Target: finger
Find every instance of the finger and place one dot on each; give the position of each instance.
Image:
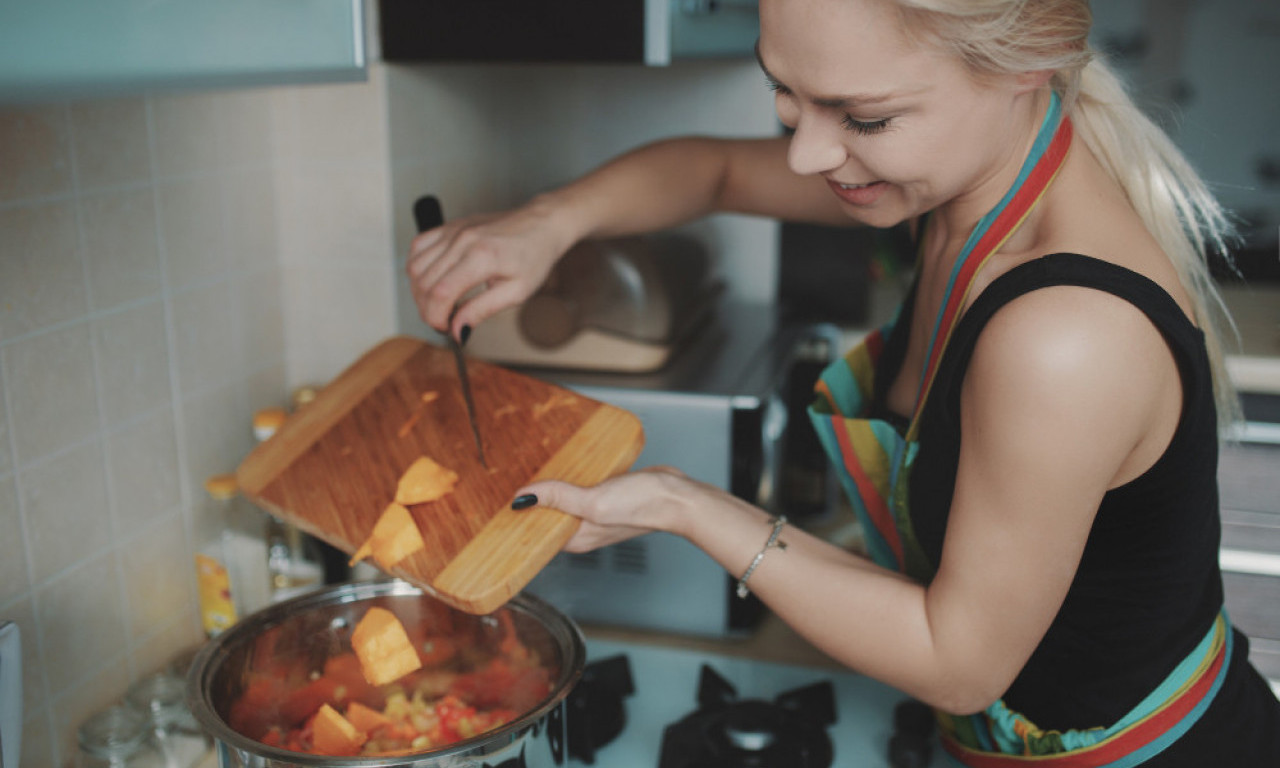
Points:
(485, 304)
(553, 494)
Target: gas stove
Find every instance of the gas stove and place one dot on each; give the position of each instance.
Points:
(649, 706)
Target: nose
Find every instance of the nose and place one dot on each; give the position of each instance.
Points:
(816, 146)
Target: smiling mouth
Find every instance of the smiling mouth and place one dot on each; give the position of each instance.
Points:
(856, 186)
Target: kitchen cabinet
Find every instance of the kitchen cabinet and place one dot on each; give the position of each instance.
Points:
(650, 32)
(64, 49)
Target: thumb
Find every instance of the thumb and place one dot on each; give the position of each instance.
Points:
(553, 494)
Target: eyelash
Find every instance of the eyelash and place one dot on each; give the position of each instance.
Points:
(862, 128)
(865, 128)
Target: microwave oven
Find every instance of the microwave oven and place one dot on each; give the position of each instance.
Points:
(728, 410)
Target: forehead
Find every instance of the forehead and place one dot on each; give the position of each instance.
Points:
(838, 46)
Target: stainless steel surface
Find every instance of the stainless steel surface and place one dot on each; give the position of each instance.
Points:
(318, 625)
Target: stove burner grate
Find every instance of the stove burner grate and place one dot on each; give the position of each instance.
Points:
(728, 732)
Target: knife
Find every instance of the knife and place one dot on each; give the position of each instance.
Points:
(427, 215)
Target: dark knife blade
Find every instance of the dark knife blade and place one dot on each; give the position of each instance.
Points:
(428, 215)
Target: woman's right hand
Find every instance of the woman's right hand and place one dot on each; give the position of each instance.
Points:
(483, 264)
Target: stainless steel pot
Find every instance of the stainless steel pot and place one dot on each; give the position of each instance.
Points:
(296, 637)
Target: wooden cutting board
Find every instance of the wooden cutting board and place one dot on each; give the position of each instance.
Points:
(333, 467)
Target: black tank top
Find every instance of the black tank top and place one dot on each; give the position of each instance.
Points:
(1148, 584)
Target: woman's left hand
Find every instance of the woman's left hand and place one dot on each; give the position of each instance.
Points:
(623, 507)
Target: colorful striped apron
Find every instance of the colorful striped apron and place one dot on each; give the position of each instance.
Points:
(874, 459)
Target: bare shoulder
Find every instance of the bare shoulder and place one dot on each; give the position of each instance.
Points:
(1084, 365)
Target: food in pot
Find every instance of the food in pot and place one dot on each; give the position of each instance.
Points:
(424, 481)
(383, 647)
(395, 536)
(470, 678)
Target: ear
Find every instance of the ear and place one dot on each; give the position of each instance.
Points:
(1032, 81)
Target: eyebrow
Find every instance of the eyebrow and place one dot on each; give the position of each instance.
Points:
(832, 102)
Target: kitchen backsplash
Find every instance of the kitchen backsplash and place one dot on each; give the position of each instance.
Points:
(168, 265)
(171, 263)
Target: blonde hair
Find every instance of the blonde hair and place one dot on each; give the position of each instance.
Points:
(1016, 36)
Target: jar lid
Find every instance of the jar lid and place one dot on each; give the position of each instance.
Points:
(160, 697)
(267, 421)
(222, 486)
(114, 732)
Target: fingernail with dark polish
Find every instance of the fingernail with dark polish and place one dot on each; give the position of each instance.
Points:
(524, 502)
(464, 334)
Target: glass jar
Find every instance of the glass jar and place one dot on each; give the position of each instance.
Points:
(292, 568)
(117, 737)
(161, 698)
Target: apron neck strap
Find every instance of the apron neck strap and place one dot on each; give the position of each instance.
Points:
(1039, 169)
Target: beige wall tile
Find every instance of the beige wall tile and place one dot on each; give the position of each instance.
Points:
(268, 388)
(207, 345)
(342, 123)
(333, 314)
(82, 623)
(257, 297)
(122, 247)
(194, 244)
(186, 134)
(158, 575)
(245, 122)
(111, 142)
(6, 455)
(217, 434)
(41, 275)
(49, 380)
(65, 509)
(335, 215)
(251, 219)
(178, 636)
(142, 464)
(132, 357)
(35, 153)
(13, 556)
(35, 693)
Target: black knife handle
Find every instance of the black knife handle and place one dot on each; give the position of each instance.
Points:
(427, 213)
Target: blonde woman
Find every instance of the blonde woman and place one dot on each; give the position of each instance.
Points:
(1032, 444)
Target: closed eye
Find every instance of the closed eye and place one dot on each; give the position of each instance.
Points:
(865, 127)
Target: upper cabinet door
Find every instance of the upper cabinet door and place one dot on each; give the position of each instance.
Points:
(57, 49)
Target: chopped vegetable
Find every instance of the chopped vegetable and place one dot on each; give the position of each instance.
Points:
(366, 719)
(333, 734)
(424, 481)
(395, 536)
(383, 647)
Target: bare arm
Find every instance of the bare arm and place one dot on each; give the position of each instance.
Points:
(1065, 388)
(657, 186)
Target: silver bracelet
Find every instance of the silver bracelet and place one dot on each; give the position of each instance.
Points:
(772, 543)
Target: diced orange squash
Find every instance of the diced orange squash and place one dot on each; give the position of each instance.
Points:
(424, 481)
(333, 734)
(395, 536)
(366, 719)
(383, 647)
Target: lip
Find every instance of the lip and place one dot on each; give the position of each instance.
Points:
(860, 194)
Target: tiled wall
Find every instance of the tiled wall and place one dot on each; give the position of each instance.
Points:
(168, 265)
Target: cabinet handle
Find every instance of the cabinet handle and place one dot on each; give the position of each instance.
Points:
(1247, 562)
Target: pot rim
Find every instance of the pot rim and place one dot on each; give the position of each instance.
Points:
(568, 635)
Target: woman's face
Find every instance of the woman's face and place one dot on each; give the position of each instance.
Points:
(896, 128)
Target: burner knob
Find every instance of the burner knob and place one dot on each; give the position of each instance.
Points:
(908, 752)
